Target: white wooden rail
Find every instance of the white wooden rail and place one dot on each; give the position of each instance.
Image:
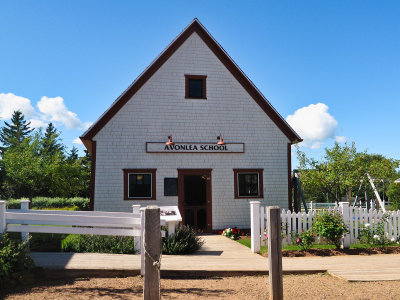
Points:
(292, 222)
(133, 224)
(27, 221)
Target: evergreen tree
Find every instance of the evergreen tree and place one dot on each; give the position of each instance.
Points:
(50, 142)
(73, 155)
(13, 134)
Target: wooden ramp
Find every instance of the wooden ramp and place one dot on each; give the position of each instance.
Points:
(223, 257)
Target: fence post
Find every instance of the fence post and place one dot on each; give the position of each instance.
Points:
(24, 208)
(136, 240)
(171, 227)
(142, 239)
(152, 249)
(255, 226)
(275, 253)
(346, 219)
(2, 216)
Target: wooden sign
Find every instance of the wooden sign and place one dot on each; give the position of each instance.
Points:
(183, 147)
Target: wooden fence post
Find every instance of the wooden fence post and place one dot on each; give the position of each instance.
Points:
(275, 253)
(24, 208)
(152, 250)
(2, 216)
(345, 209)
(255, 226)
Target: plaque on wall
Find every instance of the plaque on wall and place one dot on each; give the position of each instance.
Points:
(184, 147)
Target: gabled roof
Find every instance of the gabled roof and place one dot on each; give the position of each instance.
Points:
(216, 48)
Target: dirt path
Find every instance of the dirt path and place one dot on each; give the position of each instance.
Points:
(320, 286)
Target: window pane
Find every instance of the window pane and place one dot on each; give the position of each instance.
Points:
(248, 184)
(139, 186)
(195, 88)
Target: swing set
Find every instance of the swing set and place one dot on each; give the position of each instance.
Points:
(358, 201)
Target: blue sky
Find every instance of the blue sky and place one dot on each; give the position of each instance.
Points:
(69, 60)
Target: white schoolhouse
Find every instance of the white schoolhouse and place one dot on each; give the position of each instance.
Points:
(157, 144)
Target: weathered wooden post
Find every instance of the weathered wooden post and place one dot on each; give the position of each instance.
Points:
(24, 208)
(255, 226)
(152, 253)
(275, 253)
(2, 216)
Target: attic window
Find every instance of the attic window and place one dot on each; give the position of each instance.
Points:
(195, 87)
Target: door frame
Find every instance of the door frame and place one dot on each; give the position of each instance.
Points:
(181, 193)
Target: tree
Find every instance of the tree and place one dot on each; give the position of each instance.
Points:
(73, 155)
(50, 142)
(13, 134)
(24, 168)
(393, 192)
(340, 170)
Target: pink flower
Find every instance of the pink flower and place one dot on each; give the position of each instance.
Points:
(298, 240)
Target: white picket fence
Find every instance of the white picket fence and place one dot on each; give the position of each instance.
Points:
(27, 221)
(355, 218)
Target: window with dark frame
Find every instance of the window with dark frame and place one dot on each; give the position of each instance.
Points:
(139, 184)
(195, 87)
(248, 183)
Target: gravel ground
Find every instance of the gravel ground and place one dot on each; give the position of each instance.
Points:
(320, 286)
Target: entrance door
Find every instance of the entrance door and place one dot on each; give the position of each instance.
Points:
(194, 198)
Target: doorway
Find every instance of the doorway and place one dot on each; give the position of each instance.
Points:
(194, 198)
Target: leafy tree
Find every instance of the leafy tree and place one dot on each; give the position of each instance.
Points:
(340, 170)
(393, 192)
(24, 168)
(86, 163)
(13, 134)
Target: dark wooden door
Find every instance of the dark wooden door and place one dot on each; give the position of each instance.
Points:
(194, 198)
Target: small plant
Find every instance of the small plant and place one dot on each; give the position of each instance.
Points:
(98, 244)
(305, 239)
(377, 235)
(14, 260)
(330, 225)
(232, 233)
(184, 241)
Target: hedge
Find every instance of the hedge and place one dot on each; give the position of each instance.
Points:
(48, 203)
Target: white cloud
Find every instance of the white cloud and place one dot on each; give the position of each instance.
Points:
(77, 141)
(314, 124)
(340, 139)
(36, 123)
(10, 103)
(55, 110)
(86, 125)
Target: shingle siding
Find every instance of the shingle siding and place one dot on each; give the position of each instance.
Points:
(160, 108)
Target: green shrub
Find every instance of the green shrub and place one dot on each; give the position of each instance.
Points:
(52, 203)
(377, 235)
(14, 259)
(184, 241)
(98, 244)
(330, 225)
(305, 239)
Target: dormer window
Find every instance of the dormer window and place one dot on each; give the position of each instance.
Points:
(195, 87)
